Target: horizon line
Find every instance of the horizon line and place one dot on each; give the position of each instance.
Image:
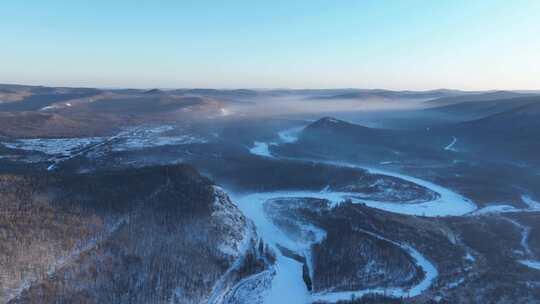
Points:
(267, 88)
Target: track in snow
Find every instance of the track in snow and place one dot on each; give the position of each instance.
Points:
(450, 146)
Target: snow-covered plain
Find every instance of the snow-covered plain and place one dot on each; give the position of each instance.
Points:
(158, 141)
(137, 138)
(144, 138)
(129, 139)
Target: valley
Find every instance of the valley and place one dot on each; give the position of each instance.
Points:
(195, 196)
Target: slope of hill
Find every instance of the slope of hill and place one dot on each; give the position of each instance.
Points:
(39, 101)
(365, 94)
(157, 234)
(338, 128)
(479, 96)
(37, 124)
(344, 140)
(469, 110)
(142, 105)
(522, 119)
(66, 112)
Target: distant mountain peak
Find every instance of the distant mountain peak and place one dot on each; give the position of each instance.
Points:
(329, 122)
(329, 119)
(154, 91)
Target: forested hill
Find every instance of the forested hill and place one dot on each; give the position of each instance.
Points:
(149, 235)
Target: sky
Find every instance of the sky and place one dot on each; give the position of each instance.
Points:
(394, 44)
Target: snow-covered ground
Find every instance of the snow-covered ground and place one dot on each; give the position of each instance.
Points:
(531, 264)
(470, 257)
(525, 232)
(438, 207)
(448, 203)
(450, 146)
(243, 236)
(260, 149)
(72, 256)
(252, 289)
(456, 283)
(529, 201)
(533, 206)
(529, 259)
(388, 162)
(129, 139)
(429, 269)
(286, 136)
(288, 285)
(158, 141)
(153, 137)
(495, 209)
(53, 146)
(137, 138)
(290, 135)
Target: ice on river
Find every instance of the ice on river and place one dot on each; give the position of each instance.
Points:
(261, 149)
(288, 285)
(531, 264)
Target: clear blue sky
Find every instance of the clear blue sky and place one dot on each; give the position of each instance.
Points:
(391, 44)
